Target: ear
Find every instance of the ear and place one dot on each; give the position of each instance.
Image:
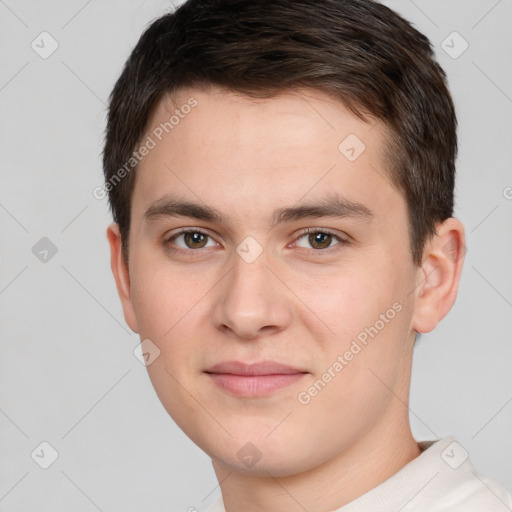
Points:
(439, 275)
(121, 275)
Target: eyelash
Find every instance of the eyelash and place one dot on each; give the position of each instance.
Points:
(342, 241)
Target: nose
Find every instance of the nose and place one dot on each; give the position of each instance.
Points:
(252, 301)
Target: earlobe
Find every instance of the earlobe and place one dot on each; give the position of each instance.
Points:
(439, 275)
(121, 275)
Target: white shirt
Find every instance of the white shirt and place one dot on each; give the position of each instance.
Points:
(440, 479)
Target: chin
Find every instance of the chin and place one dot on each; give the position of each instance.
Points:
(260, 457)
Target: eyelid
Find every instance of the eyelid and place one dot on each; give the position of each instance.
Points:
(167, 239)
(327, 231)
(342, 241)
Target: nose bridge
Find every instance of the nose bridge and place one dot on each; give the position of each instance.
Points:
(251, 298)
(250, 265)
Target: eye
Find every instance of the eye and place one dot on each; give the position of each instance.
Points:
(190, 239)
(319, 239)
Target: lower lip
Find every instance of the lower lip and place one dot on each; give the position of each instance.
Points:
(254, 385)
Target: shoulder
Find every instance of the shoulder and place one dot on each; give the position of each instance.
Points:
(476, 494)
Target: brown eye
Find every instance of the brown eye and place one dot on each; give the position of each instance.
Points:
(195, 239)
(320, 240)
(190, 239)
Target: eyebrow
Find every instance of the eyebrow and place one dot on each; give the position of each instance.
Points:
(333, 206)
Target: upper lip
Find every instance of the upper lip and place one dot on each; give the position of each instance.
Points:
(260, 368)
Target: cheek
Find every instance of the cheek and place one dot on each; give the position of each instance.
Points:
(167, 303)
(347, 302)
(170, 305)
(365, 315)
(163, 295)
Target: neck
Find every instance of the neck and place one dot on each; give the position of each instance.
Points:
(377, 456)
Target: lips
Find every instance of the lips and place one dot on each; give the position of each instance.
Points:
(255, 379)
(261, 368)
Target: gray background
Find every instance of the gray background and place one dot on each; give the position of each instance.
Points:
(68, 373)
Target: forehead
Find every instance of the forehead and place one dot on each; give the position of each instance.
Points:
(226, 148)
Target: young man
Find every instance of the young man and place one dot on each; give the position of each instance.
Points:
(281, 178)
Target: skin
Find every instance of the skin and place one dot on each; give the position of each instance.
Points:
(293, 304)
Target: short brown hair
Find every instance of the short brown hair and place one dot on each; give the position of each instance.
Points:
(357, 51)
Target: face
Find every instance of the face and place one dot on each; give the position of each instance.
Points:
(295, 255)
